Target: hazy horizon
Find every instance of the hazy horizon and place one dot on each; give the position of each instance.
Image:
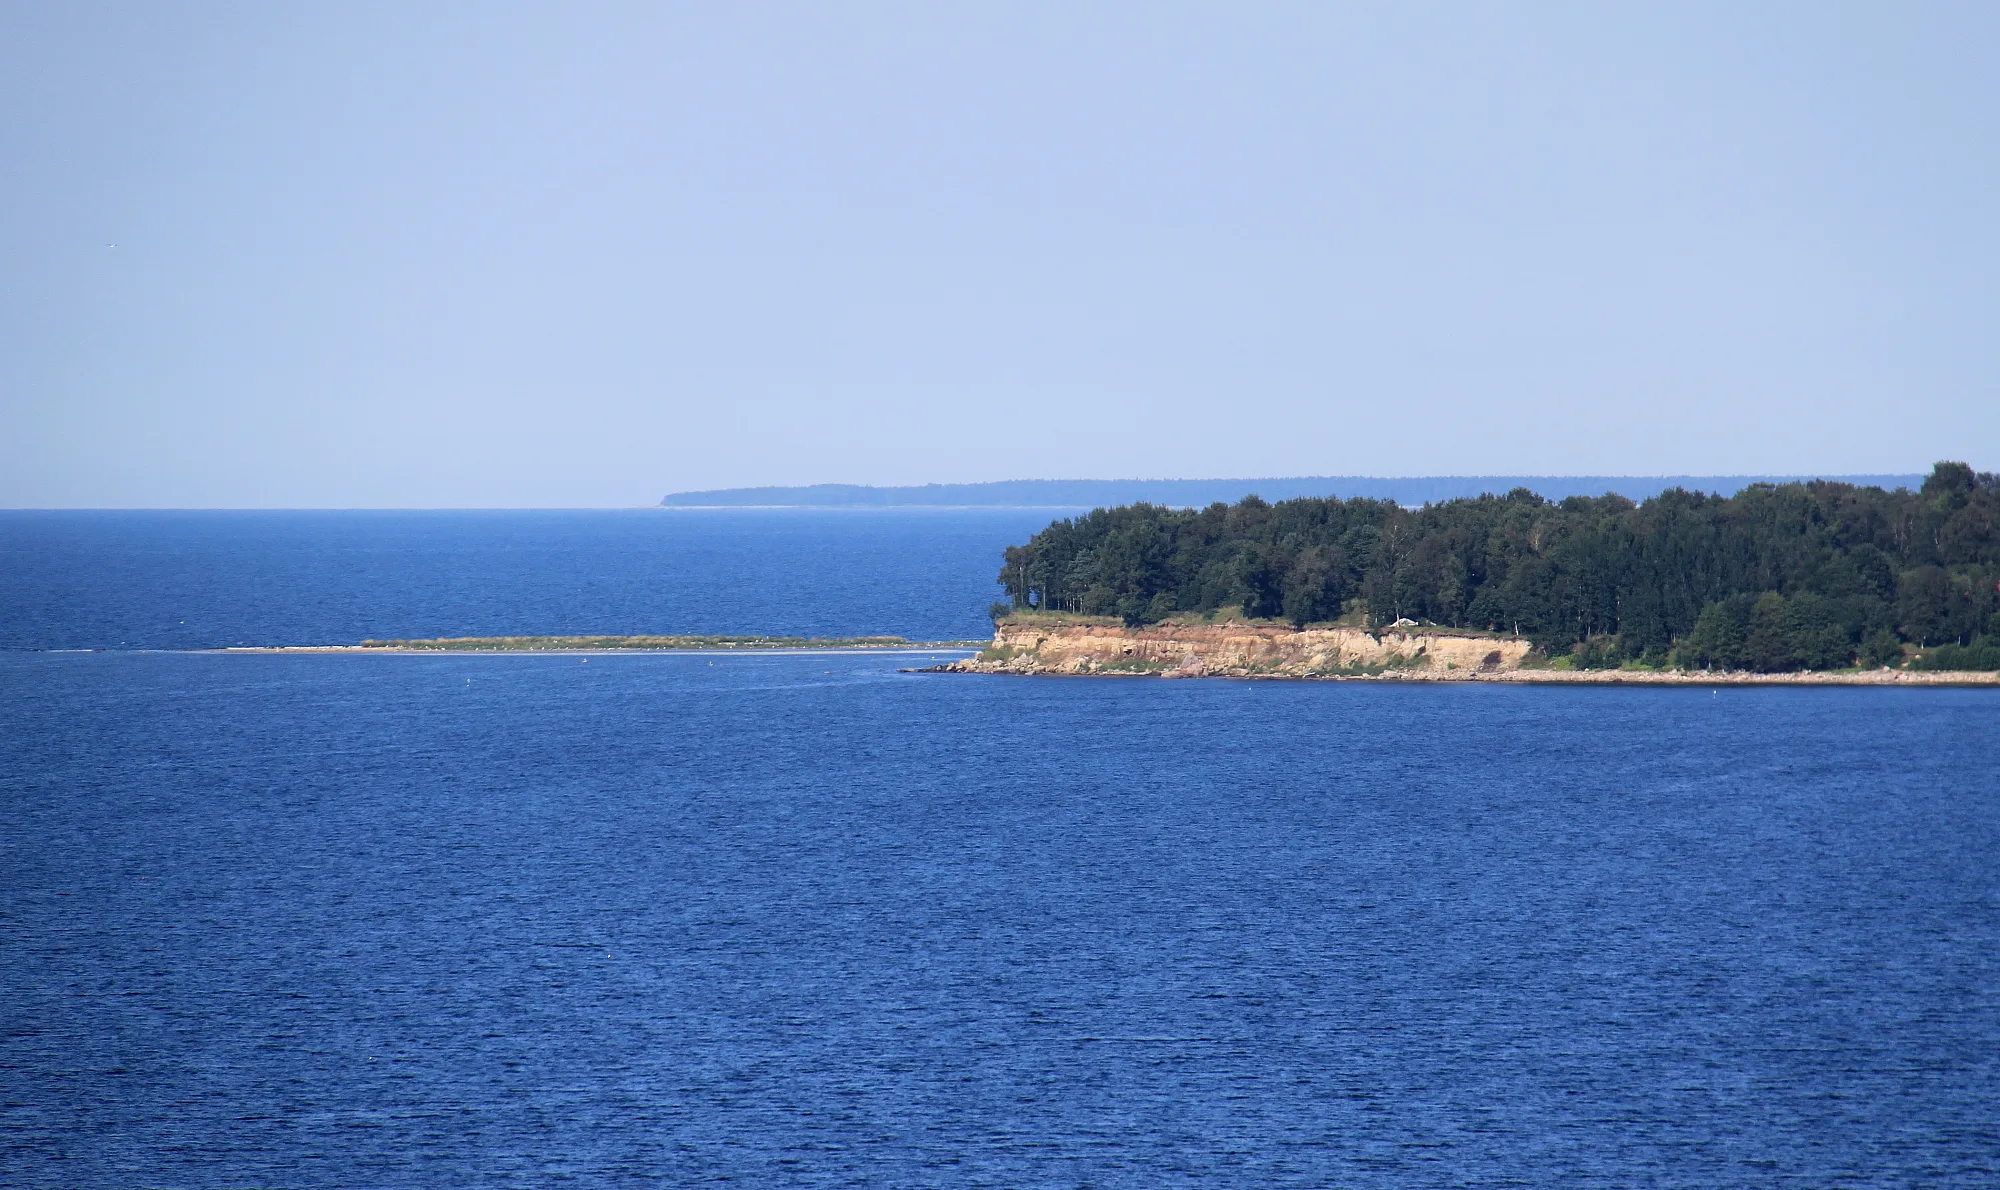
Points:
(1644, 487)
(491, 257)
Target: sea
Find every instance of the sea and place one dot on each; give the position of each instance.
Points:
(814, 920)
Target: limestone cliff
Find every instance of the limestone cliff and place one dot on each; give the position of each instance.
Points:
(1235, 649)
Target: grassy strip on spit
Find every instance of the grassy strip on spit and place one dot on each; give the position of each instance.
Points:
(533, 643)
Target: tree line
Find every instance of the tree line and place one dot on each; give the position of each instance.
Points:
(1778, 576)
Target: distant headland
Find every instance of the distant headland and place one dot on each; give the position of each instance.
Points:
(1199, 493)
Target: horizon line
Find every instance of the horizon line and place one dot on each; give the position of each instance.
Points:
(1410, 491)
(666, 502)
(970, 483)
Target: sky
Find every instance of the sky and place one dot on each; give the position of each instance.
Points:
(582, 255)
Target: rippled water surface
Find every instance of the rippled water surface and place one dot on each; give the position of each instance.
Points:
(178, 580)
(805, 920)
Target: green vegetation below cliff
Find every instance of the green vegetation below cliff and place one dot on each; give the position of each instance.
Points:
(1777, 577)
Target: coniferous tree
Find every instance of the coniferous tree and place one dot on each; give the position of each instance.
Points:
(1809, 575)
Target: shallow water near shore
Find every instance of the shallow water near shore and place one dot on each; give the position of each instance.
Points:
(438, 920)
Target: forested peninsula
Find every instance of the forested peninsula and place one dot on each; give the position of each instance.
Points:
(1776, 578)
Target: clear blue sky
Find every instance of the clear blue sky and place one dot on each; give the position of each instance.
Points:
(586, 254)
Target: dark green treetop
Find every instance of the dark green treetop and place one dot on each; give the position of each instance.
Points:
(1797, 575)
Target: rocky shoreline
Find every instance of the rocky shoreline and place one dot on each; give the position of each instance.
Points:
(1532, 677)
(1079, 648)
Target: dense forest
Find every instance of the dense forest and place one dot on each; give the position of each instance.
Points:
(1790, 576)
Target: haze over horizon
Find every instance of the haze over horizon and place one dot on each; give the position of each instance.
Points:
(511, 257)
(1409, 491)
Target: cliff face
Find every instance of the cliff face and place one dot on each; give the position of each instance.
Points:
(1234, 650)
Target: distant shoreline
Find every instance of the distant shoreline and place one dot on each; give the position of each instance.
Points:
(1082, 495)
(871, 507)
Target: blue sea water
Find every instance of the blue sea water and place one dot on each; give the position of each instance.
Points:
(810, 921)
(176, 580)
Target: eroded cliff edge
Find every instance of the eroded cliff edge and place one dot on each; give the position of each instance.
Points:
(1235, 649)
(1238, 649)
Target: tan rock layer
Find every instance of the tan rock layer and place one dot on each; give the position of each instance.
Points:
(1234, 649)
(1277, 651)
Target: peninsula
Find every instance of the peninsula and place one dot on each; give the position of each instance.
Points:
(1818, 581)
(601, 644)
(533, 644)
